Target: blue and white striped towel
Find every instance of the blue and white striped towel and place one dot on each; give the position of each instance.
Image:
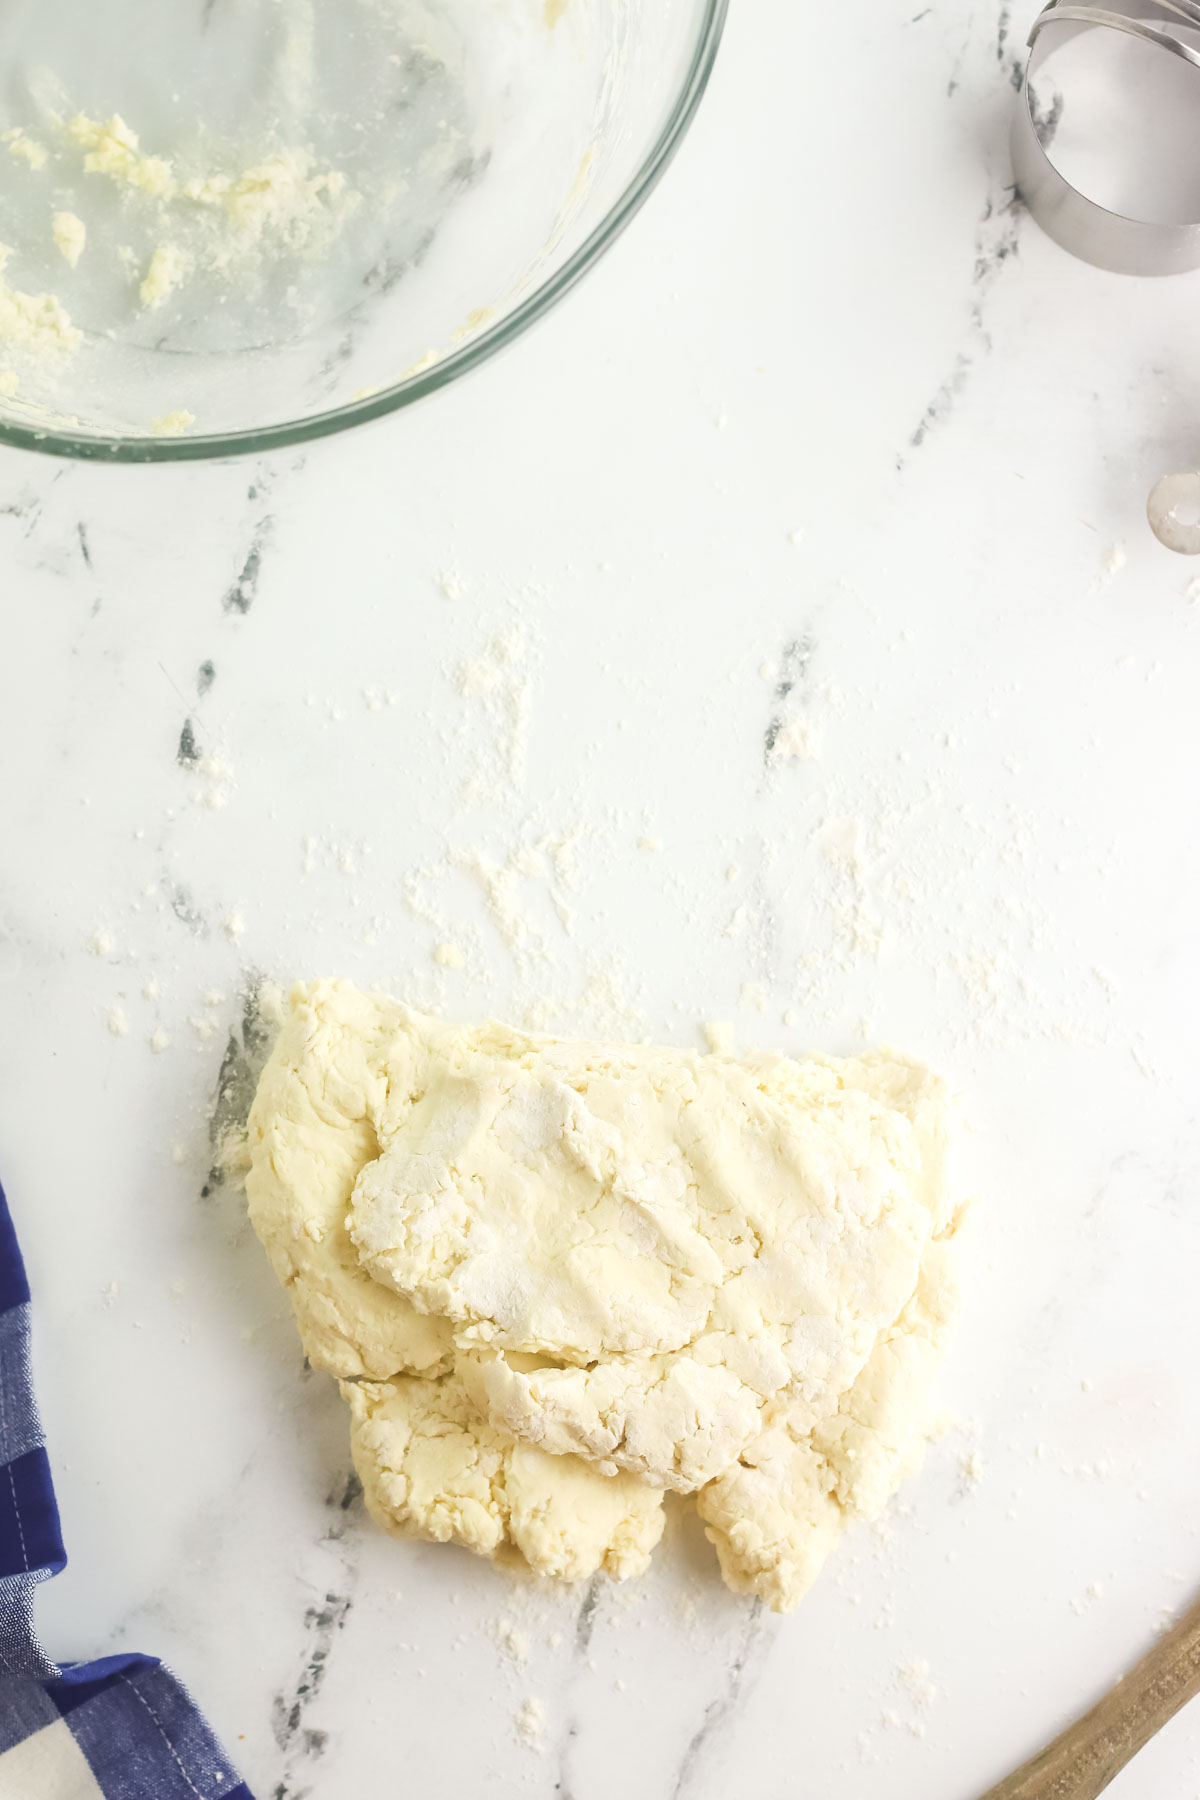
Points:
(121, 1728)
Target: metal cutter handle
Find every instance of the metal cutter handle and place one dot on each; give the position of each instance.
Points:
(1088, 230)
(1111, 240)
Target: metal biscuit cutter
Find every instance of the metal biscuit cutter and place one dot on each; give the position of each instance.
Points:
(1112, 240)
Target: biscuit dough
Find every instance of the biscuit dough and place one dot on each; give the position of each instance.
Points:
(432, 1467)
(602, 1272)
(312, 1132)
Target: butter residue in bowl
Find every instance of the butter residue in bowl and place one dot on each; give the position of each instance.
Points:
(25, 148)
(280, 198)
(33, 322)
(112, 148)
(70, 234)
(173, 424)
(168, 266)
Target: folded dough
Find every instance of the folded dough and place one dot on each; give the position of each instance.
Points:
(312, 1133)
(645, 1268)
(775, 1515)
(431, 1467)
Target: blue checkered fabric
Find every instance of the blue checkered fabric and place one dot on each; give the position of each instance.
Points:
(121, 1728)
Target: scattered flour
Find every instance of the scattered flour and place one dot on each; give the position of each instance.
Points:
(271, 1002)
(1082, 1603)
(531, 1722)
(218, 773)
(914, 1676)
(737, 921)
(512, 1639)
(117, 1023)
(798, 740)
(501, 679)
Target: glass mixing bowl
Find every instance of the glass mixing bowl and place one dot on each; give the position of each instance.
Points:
(227, 225)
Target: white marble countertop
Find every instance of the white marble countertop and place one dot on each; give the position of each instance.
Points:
(830, 321)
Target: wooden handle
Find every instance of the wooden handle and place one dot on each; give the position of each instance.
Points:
(1092, 1752)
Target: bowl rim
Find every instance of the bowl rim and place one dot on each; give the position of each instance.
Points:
(481, 349)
